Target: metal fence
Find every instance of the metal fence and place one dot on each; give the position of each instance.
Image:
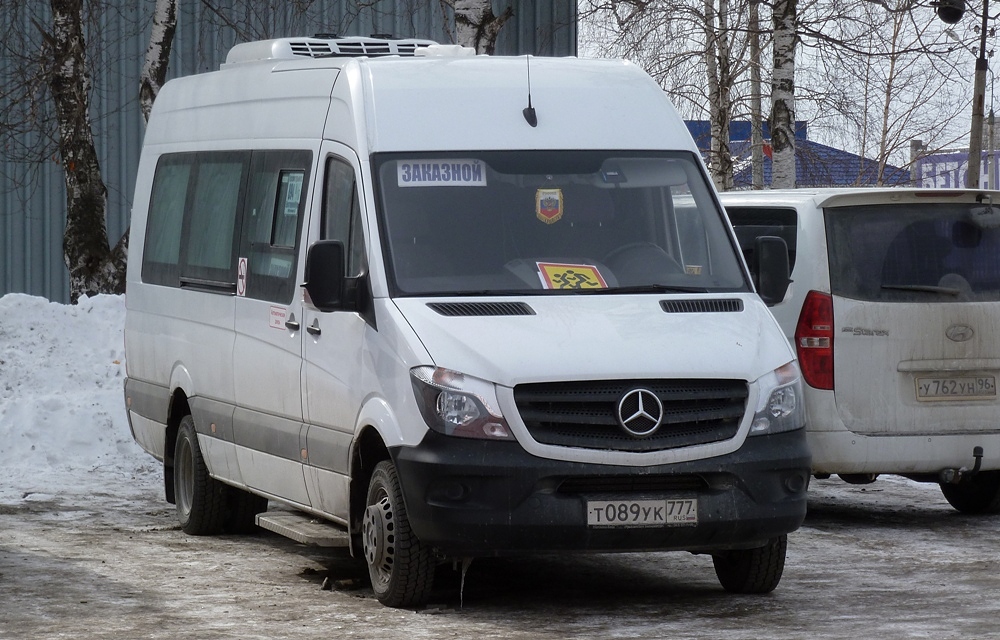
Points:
(33, 198)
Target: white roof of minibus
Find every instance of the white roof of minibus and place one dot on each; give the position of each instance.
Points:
(426, 103)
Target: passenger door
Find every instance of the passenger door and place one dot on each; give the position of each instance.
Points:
(334, 343)
(267, 358)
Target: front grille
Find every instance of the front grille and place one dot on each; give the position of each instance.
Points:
(585, 414)
(631, 484)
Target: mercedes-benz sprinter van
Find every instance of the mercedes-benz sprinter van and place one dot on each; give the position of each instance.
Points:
(455, 306)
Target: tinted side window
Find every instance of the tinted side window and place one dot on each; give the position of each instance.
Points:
(275, 208)
(193, 214)
(342, 213)
(161, 258)
(752, 222)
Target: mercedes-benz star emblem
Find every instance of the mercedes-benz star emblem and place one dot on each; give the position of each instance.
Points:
(640, 412)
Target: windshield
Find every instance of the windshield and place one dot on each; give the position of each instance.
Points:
(915, 252)
(543, 222)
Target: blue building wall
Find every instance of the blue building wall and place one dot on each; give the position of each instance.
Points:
(33, 200)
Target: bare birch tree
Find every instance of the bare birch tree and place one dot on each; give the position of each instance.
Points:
(697, 50)
(94, 266)
(782, 121)
(901, 85)
(476, 25)
(161, 40)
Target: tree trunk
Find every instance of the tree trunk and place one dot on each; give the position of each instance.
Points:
(756, 111)
(718, 66)
(476, 25)
(93, 267)
(161, 39)
(783, 96)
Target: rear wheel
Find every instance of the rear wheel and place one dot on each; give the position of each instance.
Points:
(401, 568)
(977, 495)
(752, 570)
(200, 499)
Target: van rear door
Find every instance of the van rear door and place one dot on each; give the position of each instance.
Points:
(915, 287)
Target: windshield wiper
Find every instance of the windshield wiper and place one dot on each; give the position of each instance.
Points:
(644, 288)
(924, 288)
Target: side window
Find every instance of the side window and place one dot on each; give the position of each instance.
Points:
(342, 213)
(161, 257)
(192, 225)
(274, 211)
(753, 222)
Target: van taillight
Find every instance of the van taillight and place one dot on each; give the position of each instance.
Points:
(814, 340)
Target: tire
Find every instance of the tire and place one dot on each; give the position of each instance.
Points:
(977, 495)
(858, 478)
(201, 500)
(400, 567)
(752, 570)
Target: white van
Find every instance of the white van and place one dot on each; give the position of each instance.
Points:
(454, 312)
(894, 310)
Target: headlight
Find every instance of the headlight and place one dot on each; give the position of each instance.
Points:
(455, 404)
(779, 406)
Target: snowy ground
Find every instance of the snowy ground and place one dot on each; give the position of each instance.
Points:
(89, 549)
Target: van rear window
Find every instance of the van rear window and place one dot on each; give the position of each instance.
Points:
(915, 252)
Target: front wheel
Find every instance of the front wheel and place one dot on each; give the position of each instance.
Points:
(980, 494)
(401, 568)
(752, 570)
(201, 500)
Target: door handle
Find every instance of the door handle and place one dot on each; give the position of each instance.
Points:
(314, 328)
(292, 324)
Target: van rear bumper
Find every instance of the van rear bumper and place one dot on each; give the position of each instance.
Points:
(479, 498)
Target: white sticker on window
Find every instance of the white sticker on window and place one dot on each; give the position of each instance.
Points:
(441, 173)
(293, 192)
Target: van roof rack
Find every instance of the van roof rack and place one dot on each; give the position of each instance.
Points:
(325, 46)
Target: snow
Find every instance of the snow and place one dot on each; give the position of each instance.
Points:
(63, 428)
(888, 560)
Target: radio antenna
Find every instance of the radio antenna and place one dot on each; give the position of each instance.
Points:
(529, 111)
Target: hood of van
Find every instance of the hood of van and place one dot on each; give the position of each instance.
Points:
(550, 338)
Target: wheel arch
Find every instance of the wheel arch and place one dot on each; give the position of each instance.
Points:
(369, 450)
(178, 408)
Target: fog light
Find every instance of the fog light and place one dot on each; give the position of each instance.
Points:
(796, 483)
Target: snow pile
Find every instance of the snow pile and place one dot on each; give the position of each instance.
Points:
(63, 428)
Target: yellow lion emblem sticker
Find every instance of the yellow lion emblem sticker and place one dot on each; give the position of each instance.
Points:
(570, 276)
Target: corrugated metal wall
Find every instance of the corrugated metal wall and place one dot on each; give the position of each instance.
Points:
(33, 202)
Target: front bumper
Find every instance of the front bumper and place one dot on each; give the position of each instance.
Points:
(480, 498)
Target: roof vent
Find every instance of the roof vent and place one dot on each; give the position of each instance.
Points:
(324, 47)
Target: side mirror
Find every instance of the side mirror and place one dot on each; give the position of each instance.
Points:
(771, 269)
(325, 275)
